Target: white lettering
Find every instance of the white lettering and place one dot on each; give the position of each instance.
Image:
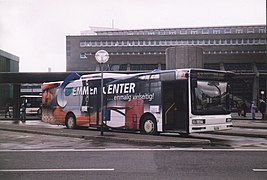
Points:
(132, 86)
(110, 89)
(123, 88)
(93, 91)
(74, 92)
(115, 88)
(85, 90)
(126, 88)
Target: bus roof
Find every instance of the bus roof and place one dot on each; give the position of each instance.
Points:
(30, 96)
(105, 75)
(123, 75)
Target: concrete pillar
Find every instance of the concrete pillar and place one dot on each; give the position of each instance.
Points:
(222, 67)
(256, 85)
(255, 89)
(16, 98)
(184, 57)
(128, 67)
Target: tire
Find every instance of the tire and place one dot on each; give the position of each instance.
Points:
(148, 125)
(71, 121)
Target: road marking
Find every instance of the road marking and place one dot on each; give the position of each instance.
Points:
(55, 170)
(259, 170)
(131, 149)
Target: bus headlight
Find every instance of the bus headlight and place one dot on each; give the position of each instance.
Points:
(228, 119)
(198, 121)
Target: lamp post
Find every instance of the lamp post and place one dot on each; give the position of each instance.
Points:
(102, 57)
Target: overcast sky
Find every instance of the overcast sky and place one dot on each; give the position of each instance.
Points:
(35, 30)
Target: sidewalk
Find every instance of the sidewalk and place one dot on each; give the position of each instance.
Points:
(248, 116)
(46, 129)
(241, 127)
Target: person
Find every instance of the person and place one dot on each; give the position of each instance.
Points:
(7, 112)
(243, 109)
(23, 112)
(262, 108)
(253, 109)
(239, 108)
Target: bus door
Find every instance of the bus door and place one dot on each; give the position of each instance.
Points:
(93, 102)
(175, 106)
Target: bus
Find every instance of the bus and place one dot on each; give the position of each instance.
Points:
(33, 103)
(180, 100)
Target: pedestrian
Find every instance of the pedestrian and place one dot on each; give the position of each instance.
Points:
(253, 109)
(262, 108)
(244, 109)
(239, 108)
(23, 112)
(7, 112)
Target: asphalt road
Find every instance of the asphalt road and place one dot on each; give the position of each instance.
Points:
(38, 156)
(133, 164)
(34, 156)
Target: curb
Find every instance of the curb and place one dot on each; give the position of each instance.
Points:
(239, 134)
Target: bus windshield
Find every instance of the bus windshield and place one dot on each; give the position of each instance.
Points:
(210, 97)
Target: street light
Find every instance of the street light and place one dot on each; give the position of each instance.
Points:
(102, 57)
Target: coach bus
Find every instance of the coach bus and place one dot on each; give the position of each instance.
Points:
(33, 103)
(181, 100)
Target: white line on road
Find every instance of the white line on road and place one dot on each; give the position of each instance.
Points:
(54, 170)
(260, 170)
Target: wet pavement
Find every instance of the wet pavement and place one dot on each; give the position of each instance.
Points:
(38, 127)
(245, 128)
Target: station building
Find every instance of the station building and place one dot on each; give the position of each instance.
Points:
(8, 63)
(241, 49)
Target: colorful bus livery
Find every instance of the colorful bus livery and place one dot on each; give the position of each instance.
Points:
(181, 100)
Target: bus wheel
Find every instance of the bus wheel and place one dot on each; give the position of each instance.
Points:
(148, 125)
(70, 121)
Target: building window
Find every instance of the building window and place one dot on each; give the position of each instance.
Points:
(250, 30)
(261, 41)
(137, 67)
(216, 31)
(239, 31)
(201, 42)
(171, 32)
(250, 41)
(83, 56)
(211, 42)
(183, 32)
(194, 32)
(82, 43)
(184, 42)
(227, 31)
(205, 31)
(234, 41)
(262, 30)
